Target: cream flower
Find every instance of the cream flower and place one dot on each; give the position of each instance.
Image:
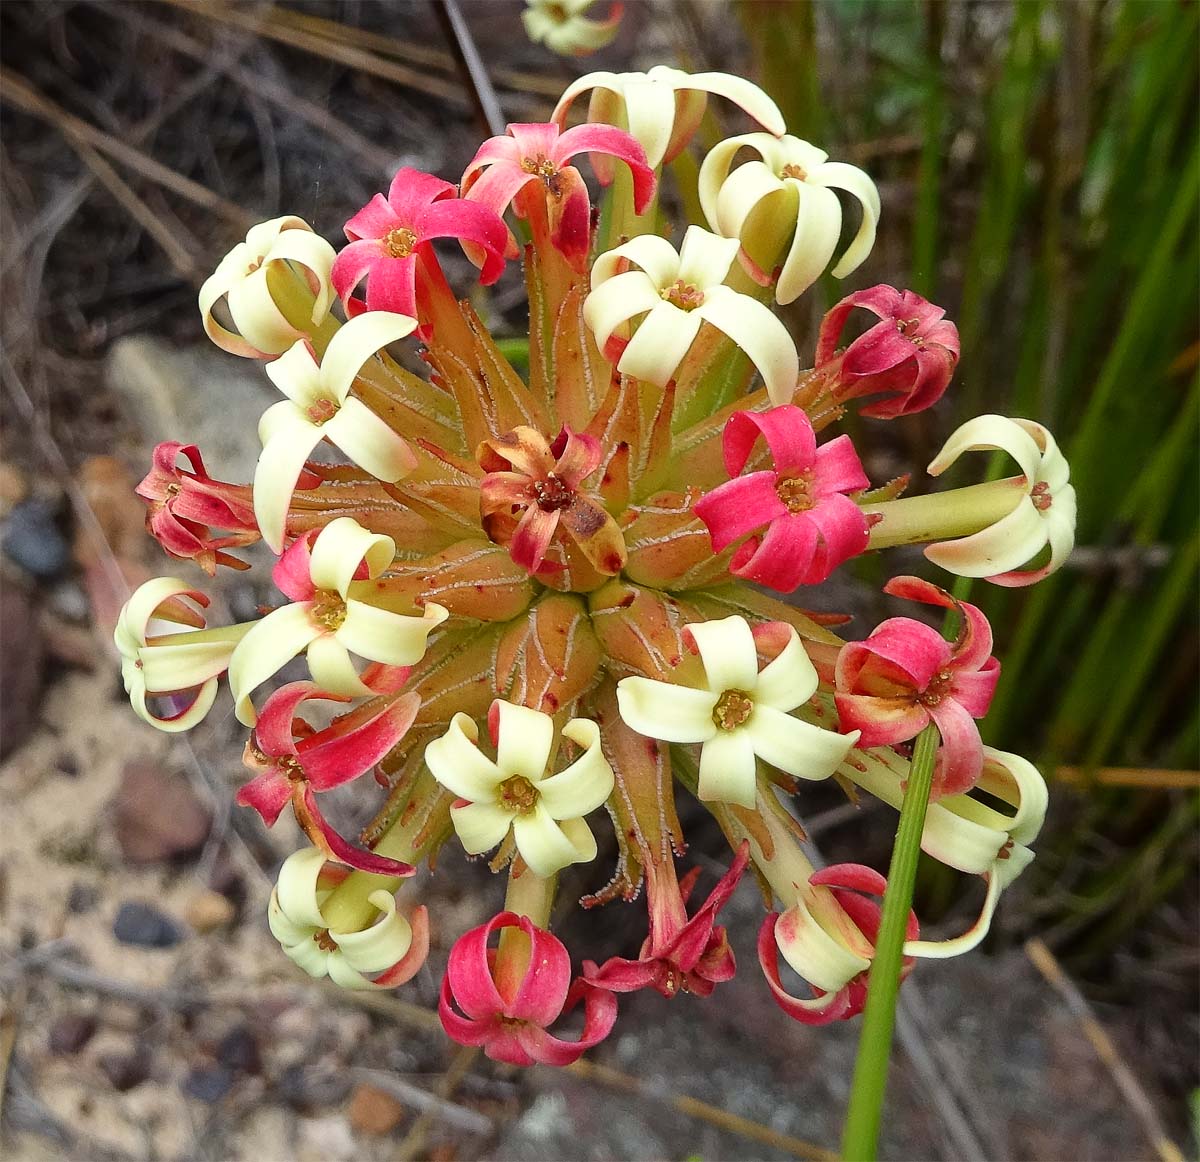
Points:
(296, 921)
(664, 107)
(742, 714)
(545, 812)
(243, 277)
(1045, 515)
(181, 668)
(676, 292)
(319, 406)
(564, 27)
(332, 615)
(793, 180)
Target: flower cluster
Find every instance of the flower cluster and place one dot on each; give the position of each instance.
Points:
(524, 597)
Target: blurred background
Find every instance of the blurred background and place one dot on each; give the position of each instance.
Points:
(1039, 174)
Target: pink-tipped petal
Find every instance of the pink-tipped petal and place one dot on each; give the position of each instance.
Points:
(267, 793)
(322, 834)
(739, 506)
(787, 431)
(543, 988)
(412, 191)
(960, 759)
(782, 558)
(469, 971)
(822, 1009)
(838, 468)
(414, 959)
(882, 721)
(374, 220)
(354, 743)
(292, 572)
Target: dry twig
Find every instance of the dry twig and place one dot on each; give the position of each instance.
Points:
(1123, 1077)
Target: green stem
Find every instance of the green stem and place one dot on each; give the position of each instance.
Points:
(861, 1138)
(957, 512)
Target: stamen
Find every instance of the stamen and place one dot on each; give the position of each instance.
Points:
(324, 941)
(321, 411)
(908, 328)
(791, 170)
(552, 493)
(399, 243)
(732, 709)
(1040, 495)
(933, 694)
(796, 491)
(328, 609)
(518, 795)
(683, 295)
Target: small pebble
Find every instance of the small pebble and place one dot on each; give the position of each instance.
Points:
(208, 1083)
(145, 926)
(82, 898)
(238, 1050)
(374, 1110)
(207, 911)
(125, 1070)
(30, 538)
(71, 1032)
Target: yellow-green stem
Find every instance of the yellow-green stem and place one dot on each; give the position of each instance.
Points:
(347, 908)
(958, 512)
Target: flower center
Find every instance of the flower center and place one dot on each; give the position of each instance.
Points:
(289, 766)
(321, 411)
(937, 689)
(732, 709)
(1040, 495)
(324, 941)
(174, 488)
(552, 493)
(909, 328)
(399, 243)
(792, 170)
(518, 795)
(540, 166)
(796, 491)
(328, 609)
(683, 295)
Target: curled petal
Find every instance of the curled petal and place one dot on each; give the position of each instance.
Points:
(666, 711)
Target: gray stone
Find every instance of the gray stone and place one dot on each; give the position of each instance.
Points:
(32, 539)
(144, 926)
(199, 395)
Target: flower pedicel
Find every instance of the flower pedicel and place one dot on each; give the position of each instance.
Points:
(562, 561)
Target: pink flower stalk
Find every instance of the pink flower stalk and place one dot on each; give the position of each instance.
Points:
(911, 353)
(906, 674)
(504, 168)
(846, 880)
(692, 955)
(504, 1000)
(812, 526)
(295, 763)
(390, 236)
(541, 482)
(185, 505)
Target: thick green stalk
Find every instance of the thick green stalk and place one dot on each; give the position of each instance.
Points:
(861, 1137)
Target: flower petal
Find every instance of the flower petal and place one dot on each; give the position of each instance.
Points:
(586, 783)
(794, 746)
(727, 769)
(541, 842)
(666, 711)
(268, 646)
(460, 766)
(727, 649)
(480, 826)
(789, 680)
(759, 333)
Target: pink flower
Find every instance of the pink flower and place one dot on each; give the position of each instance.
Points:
(533, 153)
(910, 354)
(504, 1000)
(804, 941)
(692, 955)
(184, 504)
(541, 481)
(389, 235)
(812, 526)
(294, 763)
(906, 674)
